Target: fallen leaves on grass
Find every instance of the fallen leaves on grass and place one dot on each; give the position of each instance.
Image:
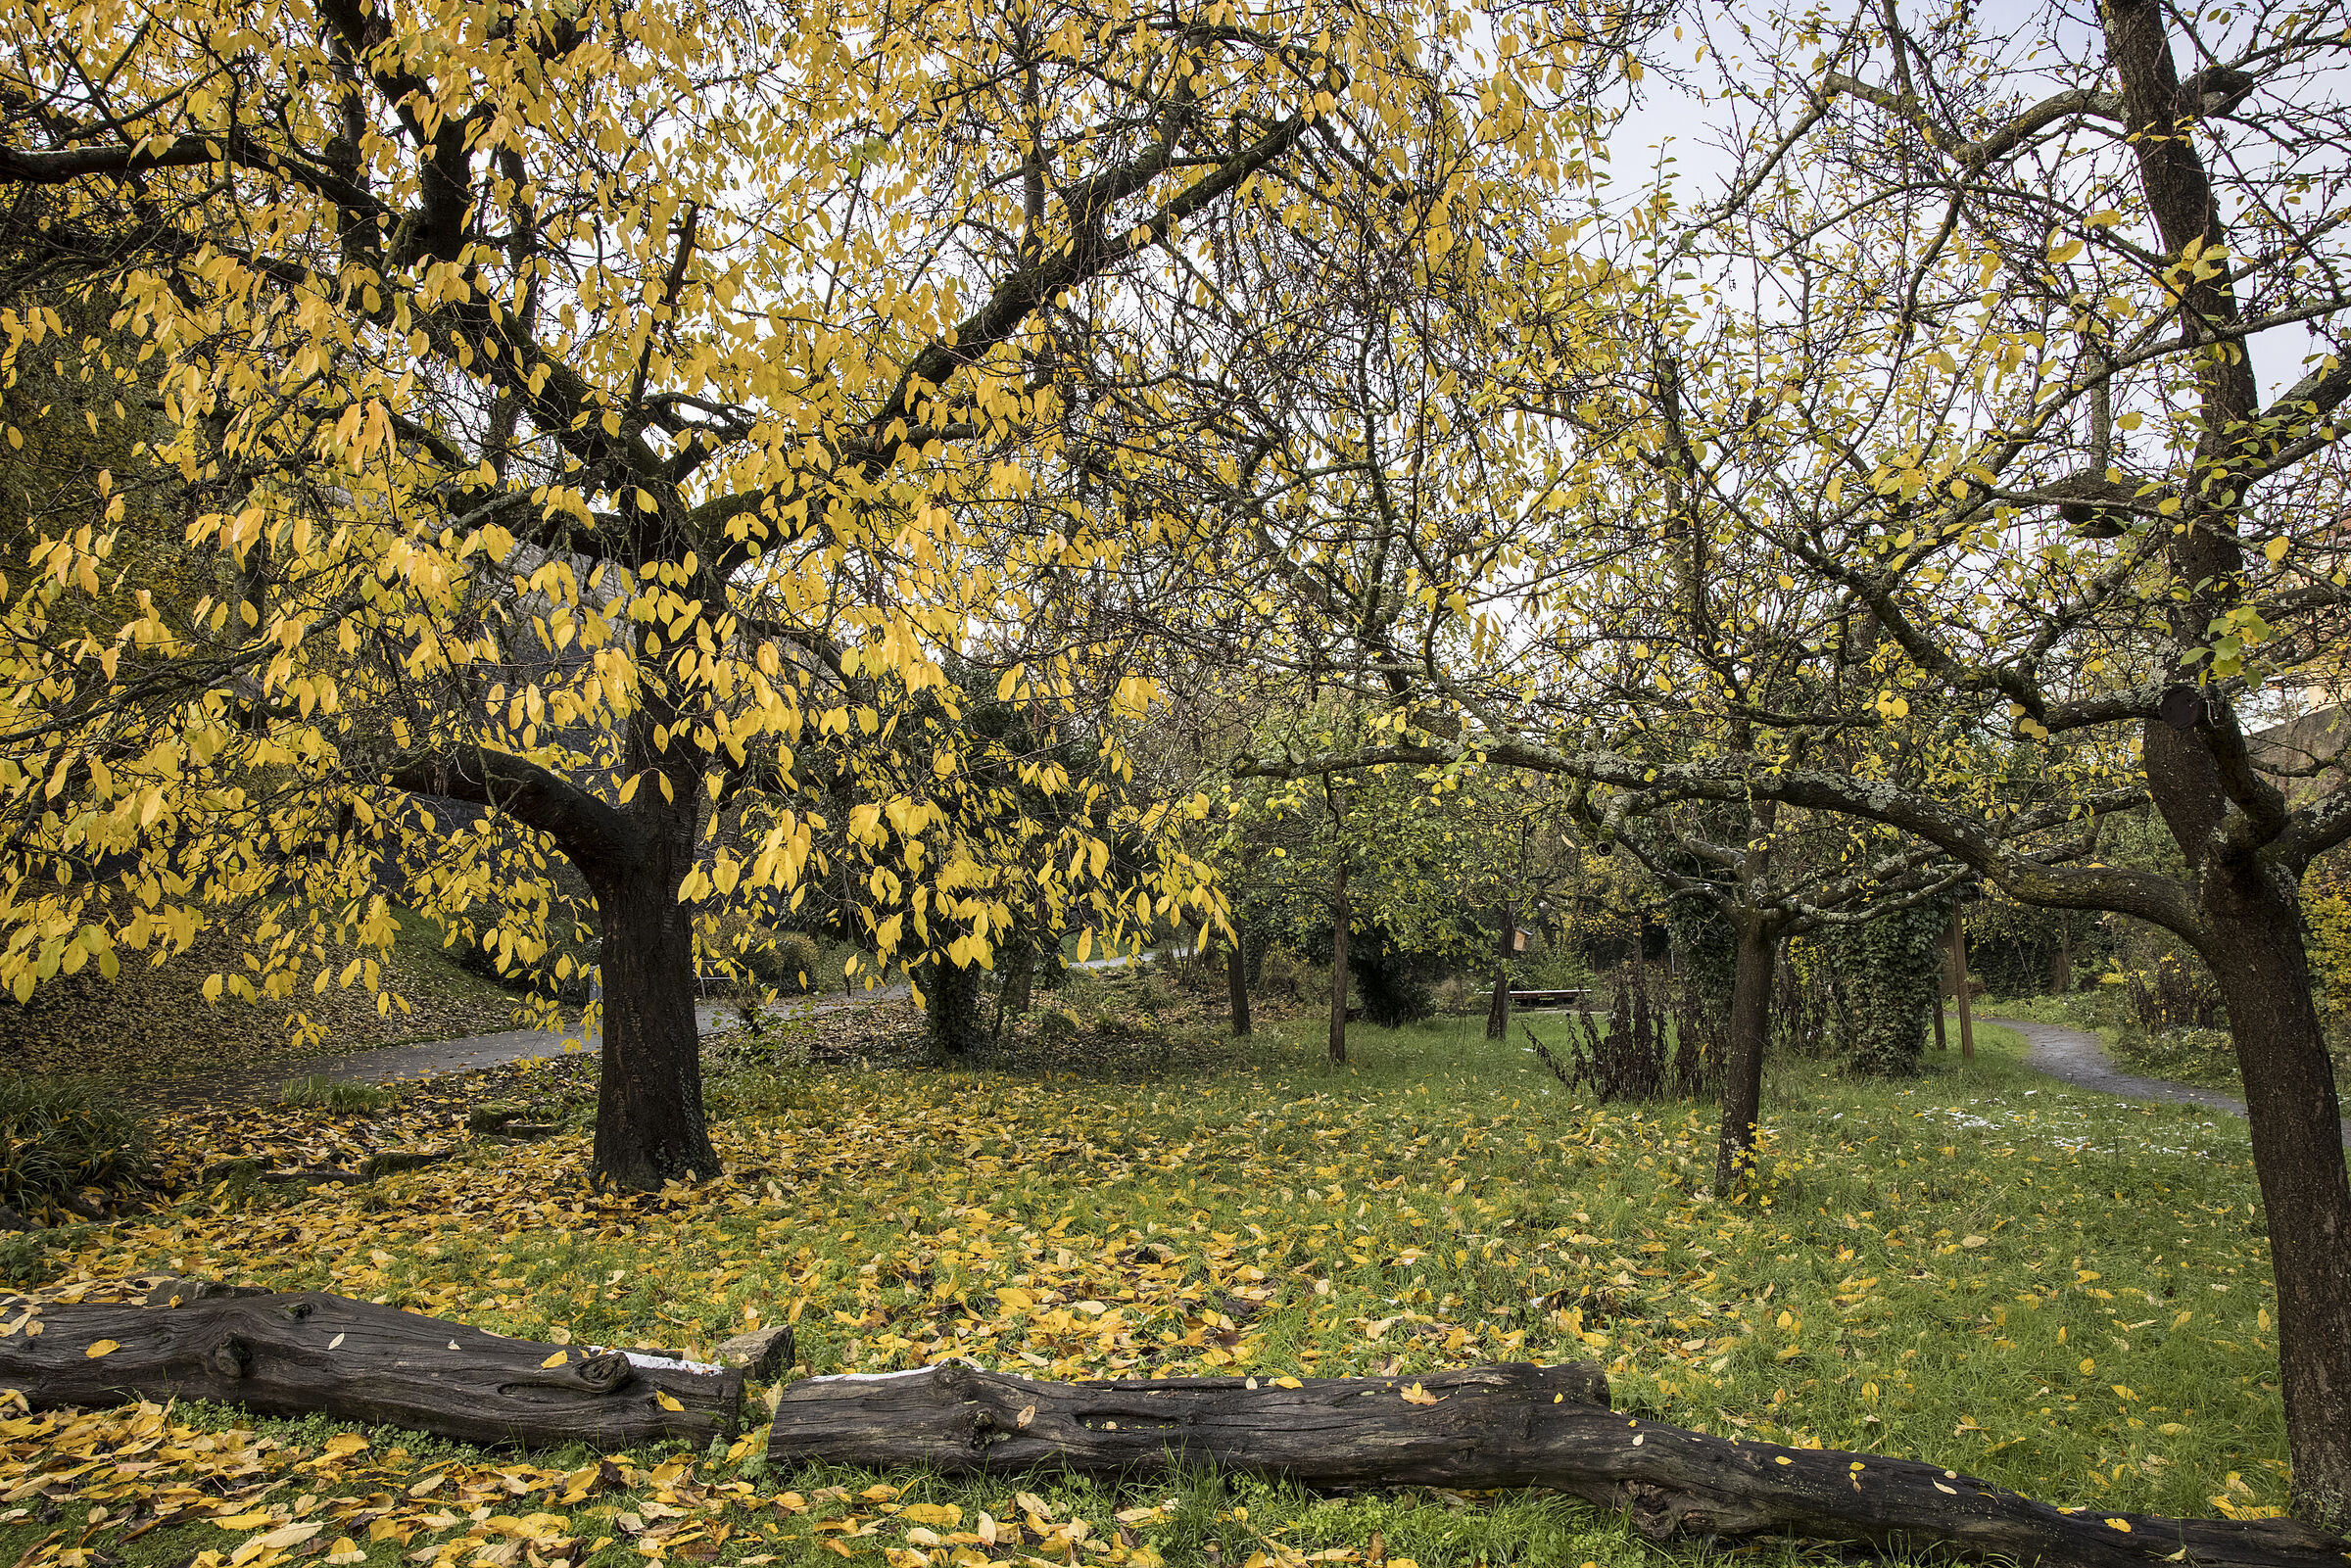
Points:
(1247, 1222)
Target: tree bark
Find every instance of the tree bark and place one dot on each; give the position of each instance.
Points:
(1967, 1019)
(1483, 1428)
(2233, 827)
(1339, 917)
(2295, 1119)
(298, 1355)
(648, 1100)
(1498, 1009)
(951, 1008)
(1743, 1065)
(1019, 983)
(1236, 986)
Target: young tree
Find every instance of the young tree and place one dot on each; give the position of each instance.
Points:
(544, 375)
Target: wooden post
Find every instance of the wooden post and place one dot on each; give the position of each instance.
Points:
(1967, 1023)
(1338, 959)
(1236, 986)
(1942, 1043)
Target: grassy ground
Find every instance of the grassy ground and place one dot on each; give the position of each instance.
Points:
(2059, 1292)
(144, 1025)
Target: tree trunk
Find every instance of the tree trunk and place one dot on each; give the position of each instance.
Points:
(2061, 963)
(2295, 1118)
(1743, 1062)
(951, 1014)
(1482, 1429)
(1967, 1020)
(299, 1354)
(649, 1109)
(2247, 880)
(1497, 1010)
(1339, 917)
(1941, 1041)
(1236, 986)
(1018, 984)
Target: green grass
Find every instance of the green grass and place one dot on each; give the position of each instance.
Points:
(1978, 1266)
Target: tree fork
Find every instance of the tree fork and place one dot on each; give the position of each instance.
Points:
(1482, 1428)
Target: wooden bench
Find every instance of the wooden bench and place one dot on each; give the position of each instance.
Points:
(1576, 997)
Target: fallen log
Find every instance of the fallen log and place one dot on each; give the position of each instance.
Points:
(1486, 1428)
(295, 1354)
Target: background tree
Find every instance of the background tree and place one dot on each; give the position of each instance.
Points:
(1988, 303)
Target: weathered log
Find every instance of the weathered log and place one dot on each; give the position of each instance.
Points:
(293, 1355)
(1486, 1428)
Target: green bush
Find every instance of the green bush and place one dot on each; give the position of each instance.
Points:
(786, 962)
(56, 1139)
(1284, 977)
(1057, 1025)
(797, 960)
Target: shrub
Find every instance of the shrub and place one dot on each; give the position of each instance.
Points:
(786, 962)
(1283, 977)
(1655, 1044)
(1392, 985)
(56, 1139)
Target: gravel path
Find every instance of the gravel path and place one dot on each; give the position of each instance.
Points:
(2081, 1060)
(427, 1059)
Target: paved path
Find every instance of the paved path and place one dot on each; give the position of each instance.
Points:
(427, 1059)
(2081, 1060)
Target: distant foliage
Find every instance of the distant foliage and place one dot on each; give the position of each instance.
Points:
(2180, 994)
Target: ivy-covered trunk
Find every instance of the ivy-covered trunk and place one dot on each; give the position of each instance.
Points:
(1890, 970)
(951, 1008)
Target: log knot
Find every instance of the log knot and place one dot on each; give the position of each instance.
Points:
(603, 1374)
(232, 1357)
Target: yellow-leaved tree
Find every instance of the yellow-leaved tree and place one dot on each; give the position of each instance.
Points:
(572, 410)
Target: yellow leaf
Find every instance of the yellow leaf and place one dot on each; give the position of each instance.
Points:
(1417, 1394)
(244, 1521)
(932, 1513)
(662, 1399)
(556, 1359)
(100, 1348)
